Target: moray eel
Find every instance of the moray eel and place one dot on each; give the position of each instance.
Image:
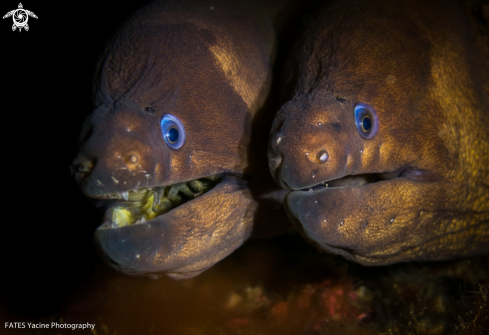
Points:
(384, 137)
(170, 149)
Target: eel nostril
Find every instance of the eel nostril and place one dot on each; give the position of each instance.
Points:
(323, 156)
(274, 142)
(85, 166)
(275, 162)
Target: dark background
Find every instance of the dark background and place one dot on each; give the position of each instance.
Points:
(47, 72)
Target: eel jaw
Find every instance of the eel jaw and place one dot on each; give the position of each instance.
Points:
(185, 240)
(335, 216)
(142, 205)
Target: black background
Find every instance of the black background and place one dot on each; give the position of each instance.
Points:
(47, 224)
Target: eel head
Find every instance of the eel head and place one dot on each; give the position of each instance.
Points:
(165, 150)
(376, 138)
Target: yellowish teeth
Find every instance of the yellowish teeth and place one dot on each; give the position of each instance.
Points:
(147, 203)
(121, 216)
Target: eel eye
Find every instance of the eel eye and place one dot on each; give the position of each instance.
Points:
(366, 120)
(173, 131)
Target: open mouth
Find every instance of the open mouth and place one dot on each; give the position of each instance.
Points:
(139, 206)
(361, 179)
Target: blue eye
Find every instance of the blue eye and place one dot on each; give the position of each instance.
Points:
(173, 131)
(366, 120)
(172, 135)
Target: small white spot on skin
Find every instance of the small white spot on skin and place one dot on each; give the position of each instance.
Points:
(313, 176)
(324, 221)
(341, 223)
(361, 151)
(279, 140)
(115, 180)
(307, 154)
(320, 124)
(137, 256)
(392, 220)
(316, 201)
(124, 183)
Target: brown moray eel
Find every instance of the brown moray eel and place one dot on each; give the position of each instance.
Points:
(385, 136)
(169, 149)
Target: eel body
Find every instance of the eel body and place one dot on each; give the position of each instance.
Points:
(384, 137)
(169, 150)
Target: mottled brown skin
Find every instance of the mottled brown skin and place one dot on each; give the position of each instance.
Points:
(416, 64)
(210, 65)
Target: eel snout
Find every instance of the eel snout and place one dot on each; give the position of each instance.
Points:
(116, 154)
(312, 147)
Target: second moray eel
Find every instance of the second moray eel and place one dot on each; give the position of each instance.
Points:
(385, 138)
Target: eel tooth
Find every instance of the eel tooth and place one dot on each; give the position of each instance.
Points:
(159, 193)
(183, 187)
(125, 195)
(173, 192)
(215, 177)
(196, 185)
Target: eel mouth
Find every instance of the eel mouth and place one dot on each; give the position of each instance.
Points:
(361, 179)
(144, 204)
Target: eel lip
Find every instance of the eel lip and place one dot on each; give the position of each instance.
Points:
(184, 241)
(359, 179)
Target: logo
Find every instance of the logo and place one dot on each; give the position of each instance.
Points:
(20, 17)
